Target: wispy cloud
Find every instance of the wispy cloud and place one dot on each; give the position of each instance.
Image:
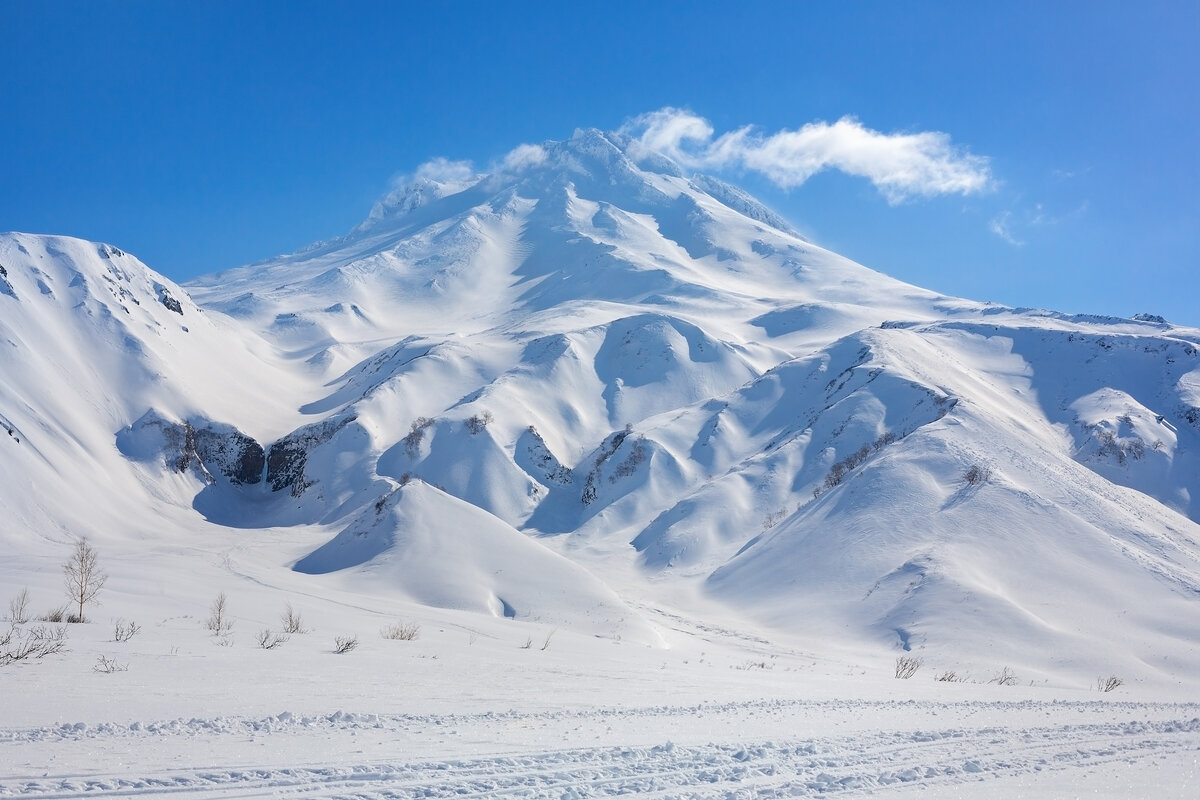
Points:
(443, 170)
(901, 165)
(1009, 225)
(1001, 226)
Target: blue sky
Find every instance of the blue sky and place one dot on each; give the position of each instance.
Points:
(205, 135)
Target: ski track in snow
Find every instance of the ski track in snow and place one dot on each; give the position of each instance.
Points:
(867, 761)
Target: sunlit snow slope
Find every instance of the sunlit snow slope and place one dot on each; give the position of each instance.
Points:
(595, 384)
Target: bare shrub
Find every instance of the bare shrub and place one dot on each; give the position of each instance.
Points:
(637, 454)
(477, 422)
(976, 475)
(402, 631)
(1104, 684)
(124, 631)
(549, 636)
(268, 639)
(83, 577)
(344, 644)
(18, 644)
(108, 665)
(218, 616)
(416, 434)
(907, 666)
(1005, 677)
(773, 519)
(18, 608)
(55, 615)
(292, 623)
(950, 676)
(836, 473)
(528, 643)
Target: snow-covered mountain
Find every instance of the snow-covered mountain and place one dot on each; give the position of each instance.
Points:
(587, 388)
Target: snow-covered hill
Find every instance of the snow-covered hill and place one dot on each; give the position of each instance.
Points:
(589, 390)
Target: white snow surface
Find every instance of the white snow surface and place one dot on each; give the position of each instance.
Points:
(666, 489)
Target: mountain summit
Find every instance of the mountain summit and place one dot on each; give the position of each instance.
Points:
(590, 389)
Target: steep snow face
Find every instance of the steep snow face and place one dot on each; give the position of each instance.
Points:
(93, 342)
(588, 383)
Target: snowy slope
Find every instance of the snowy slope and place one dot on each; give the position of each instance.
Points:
(588, 389)
(93, 341)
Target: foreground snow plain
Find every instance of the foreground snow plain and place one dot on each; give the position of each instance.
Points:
(477, 706)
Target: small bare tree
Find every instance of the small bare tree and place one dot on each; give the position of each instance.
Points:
(344, 644)
(84, 580)
(1005, 677)
(18, 608)
(218, 619)
(124, 631)
(907, 666)
(292, 623)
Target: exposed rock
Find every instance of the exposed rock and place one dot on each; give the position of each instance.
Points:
(608, 448)
(534, 456)
(170, 302)
(234, 454)
(286, 457)
(1153, 318)
(205, 448)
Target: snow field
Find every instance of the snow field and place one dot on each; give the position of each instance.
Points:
(469, 712)
(723, 709)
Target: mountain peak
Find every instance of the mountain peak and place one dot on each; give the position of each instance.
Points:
(582, 342)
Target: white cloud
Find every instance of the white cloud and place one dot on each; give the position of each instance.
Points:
(523, 157)
(901, 165)
(443, 170)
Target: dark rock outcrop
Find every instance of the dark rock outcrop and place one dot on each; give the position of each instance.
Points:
(205, 448)
(286, 457)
